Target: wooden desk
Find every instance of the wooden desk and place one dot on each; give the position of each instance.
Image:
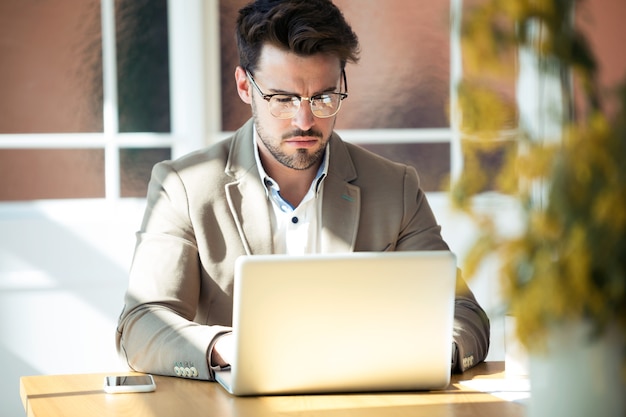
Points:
(82, 395)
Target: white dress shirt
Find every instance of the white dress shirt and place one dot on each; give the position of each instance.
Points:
(295, 230)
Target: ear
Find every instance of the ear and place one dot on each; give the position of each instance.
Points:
(243, 85)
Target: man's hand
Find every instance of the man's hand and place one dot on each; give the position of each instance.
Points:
(223, 350)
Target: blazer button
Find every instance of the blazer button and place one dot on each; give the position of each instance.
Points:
(177, 371)
(194, 371)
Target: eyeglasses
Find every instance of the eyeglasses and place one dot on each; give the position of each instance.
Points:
(286, 106)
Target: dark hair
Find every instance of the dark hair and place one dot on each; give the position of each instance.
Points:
(304, 27)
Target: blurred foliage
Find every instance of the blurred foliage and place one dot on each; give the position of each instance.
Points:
(569, 261)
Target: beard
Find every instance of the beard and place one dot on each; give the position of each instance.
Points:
(303, 159)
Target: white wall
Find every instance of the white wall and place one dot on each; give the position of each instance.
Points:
(63, 271)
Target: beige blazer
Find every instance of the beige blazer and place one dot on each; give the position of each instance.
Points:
(207, 208)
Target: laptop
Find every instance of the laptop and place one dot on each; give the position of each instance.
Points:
(339, 323)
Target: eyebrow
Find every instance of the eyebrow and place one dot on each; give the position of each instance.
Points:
(287, 93)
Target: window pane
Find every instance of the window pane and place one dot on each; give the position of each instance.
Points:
(402, 80)
(32, 174)
(142, 65)
(403, 77)
(51, 66)
(136, 167)
(602, 23)
(431, 160)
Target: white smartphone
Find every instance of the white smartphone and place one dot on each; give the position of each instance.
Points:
(129, 383)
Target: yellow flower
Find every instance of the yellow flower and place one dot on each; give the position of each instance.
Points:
(570, 260)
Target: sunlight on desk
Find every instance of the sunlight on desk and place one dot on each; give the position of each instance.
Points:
(82, 395)
(434, 403)
(508, 389)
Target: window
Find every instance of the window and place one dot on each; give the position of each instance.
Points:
(85, 109)
(94, 93)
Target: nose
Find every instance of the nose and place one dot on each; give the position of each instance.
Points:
(304, 118)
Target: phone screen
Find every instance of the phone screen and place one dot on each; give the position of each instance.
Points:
(129, 381)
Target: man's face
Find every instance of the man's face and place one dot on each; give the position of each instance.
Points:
(299, 142)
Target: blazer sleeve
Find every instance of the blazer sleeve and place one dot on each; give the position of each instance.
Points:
(156, 331)
(471, 330)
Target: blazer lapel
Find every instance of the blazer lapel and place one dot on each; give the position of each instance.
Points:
(251, 218)
(342, 202)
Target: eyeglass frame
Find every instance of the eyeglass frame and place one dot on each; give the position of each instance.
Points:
(268, 97)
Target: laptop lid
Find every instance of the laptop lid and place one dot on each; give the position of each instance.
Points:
(354, 322)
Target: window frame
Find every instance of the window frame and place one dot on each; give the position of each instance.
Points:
(187, 98)
(195, 103)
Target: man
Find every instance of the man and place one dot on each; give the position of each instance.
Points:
(283, 183)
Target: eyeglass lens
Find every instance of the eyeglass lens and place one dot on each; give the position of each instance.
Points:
(286, 107)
